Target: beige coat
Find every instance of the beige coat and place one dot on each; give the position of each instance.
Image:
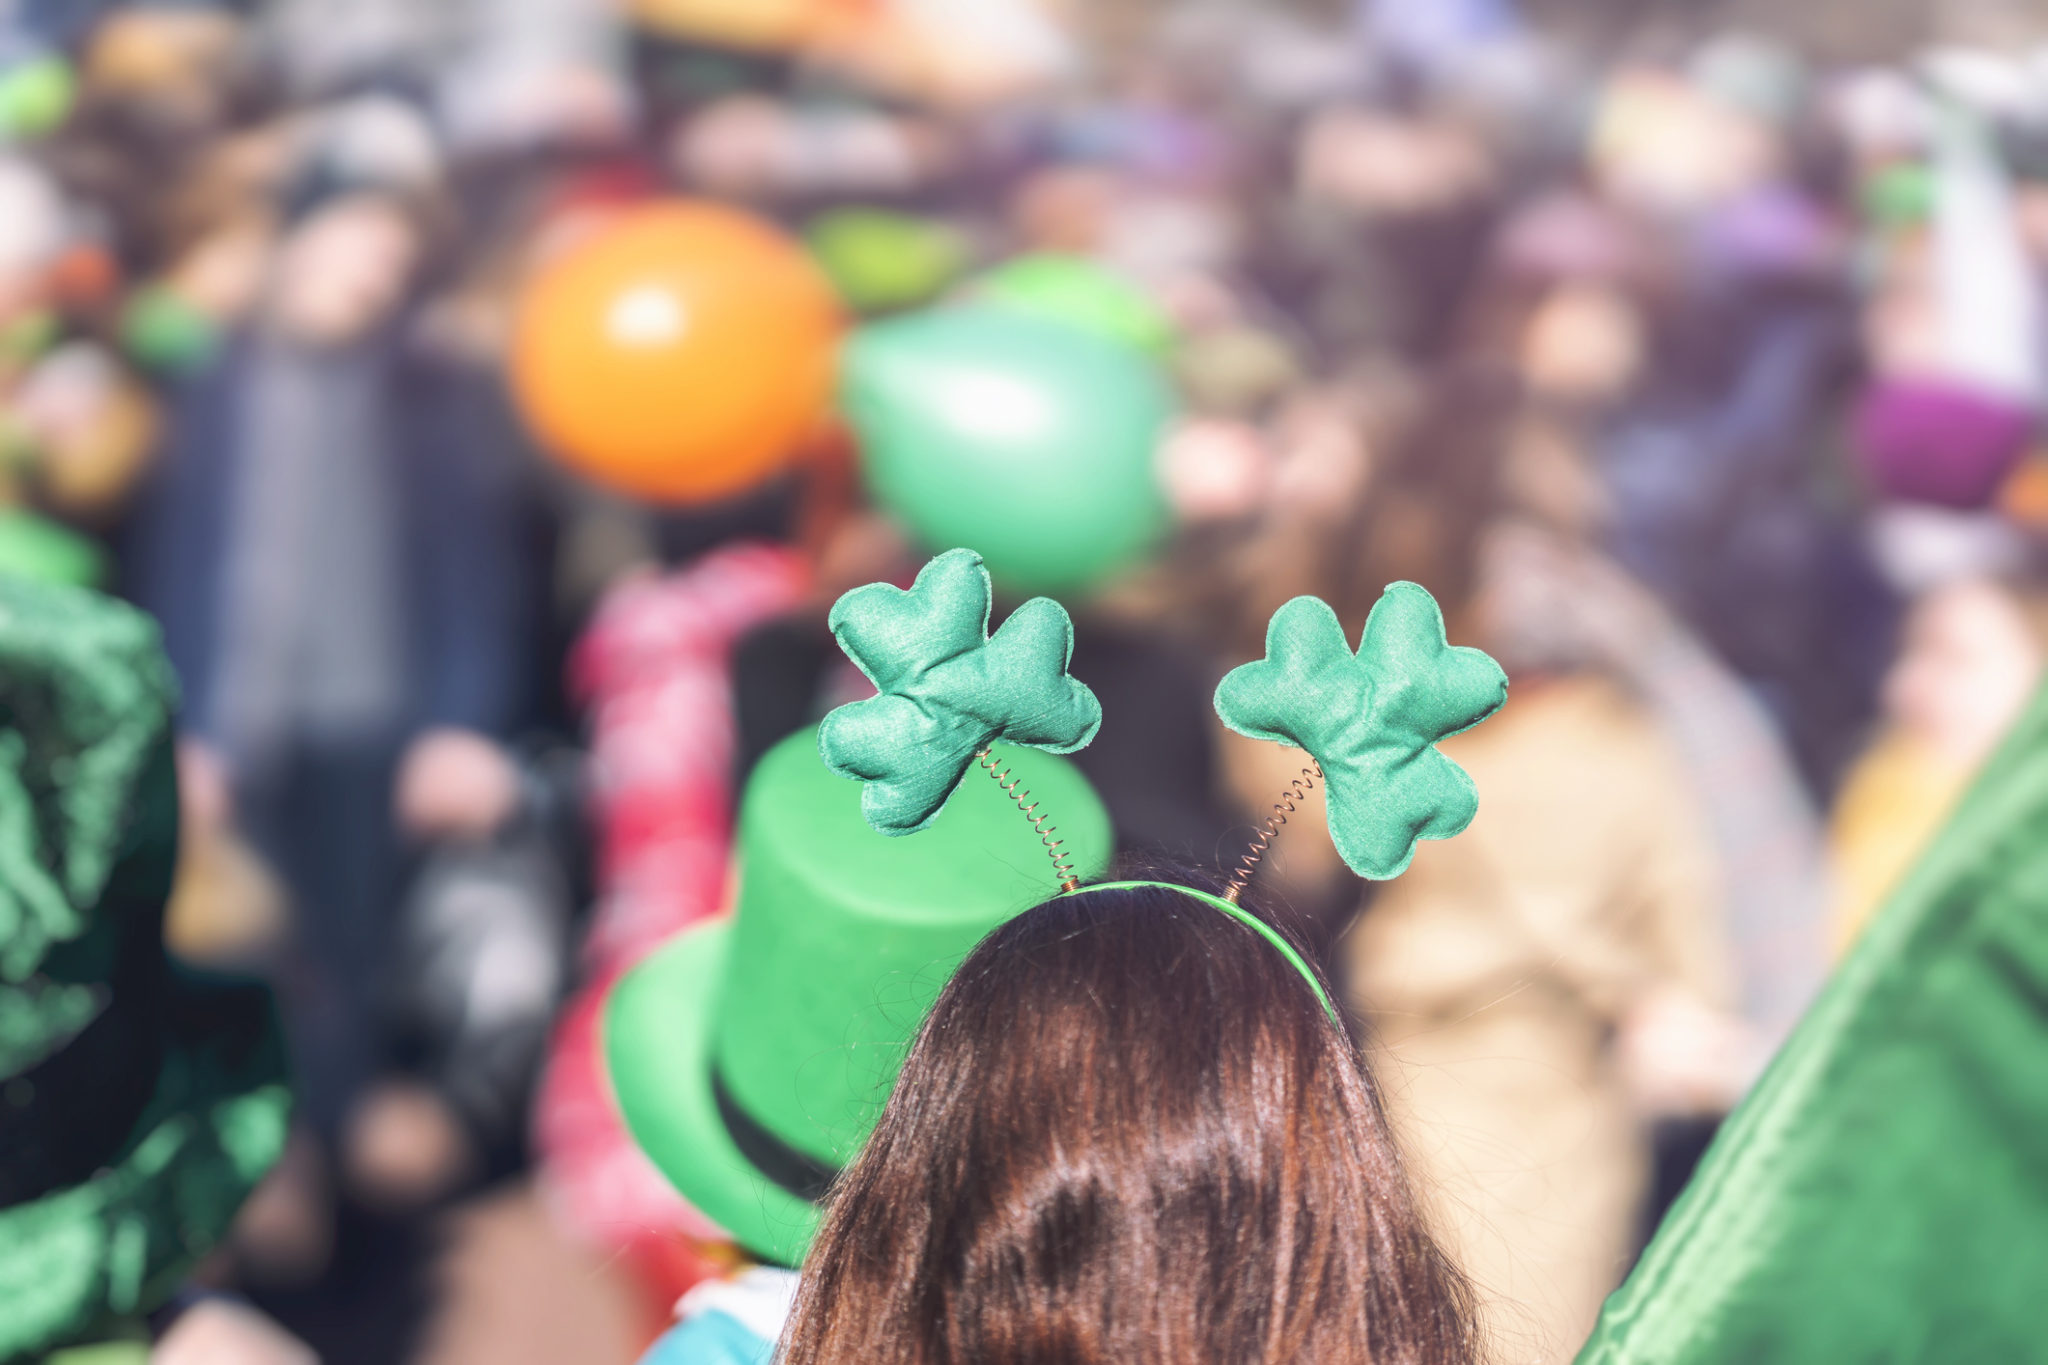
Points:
(1494, 974)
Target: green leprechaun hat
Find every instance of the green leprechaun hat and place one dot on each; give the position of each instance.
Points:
(138, 1105)
(751, 1057)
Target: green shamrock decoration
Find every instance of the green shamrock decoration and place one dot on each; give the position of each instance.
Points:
(1370, 720)
(948, 689)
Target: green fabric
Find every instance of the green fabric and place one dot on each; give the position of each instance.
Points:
(806, 999)
(948, 688)
(1078, 293)
(38, 548)
(88, 846)
(1028, 441)
(1244, 917)
(85, 698)
(1882, 1194)
(882, 261)
(1370, 720)
(123, 1242)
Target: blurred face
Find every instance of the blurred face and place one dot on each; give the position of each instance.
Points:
(739, 147)
(92, 426)
(222, 274)
(1064, 209)
(1969, 664)
(1583, 345)
(1379, 163)
(343, 270)
(1213, 470)
(1665, 146)
(170, 61)
(1323, 460)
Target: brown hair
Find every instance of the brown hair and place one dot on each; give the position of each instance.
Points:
(1128, 1132)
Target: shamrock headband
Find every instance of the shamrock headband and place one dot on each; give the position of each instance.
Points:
(1367, 720)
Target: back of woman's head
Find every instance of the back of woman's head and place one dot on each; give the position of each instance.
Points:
(1129, 1131)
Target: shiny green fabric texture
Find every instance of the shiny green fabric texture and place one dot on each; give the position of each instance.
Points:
(108, 1210)
(1370, 719)
(120, 1244)
(85, 697)
(948, 689)
(1882, 1194)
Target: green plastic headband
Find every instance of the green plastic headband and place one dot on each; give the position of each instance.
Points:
(1242, 916)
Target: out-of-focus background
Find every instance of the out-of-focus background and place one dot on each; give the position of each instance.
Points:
(491, 396)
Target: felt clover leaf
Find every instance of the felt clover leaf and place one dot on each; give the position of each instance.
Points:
(1371, 719)
(948, 689)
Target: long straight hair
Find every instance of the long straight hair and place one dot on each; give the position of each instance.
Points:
(1128, 1132)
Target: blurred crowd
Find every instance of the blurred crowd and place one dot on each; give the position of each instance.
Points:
(1698, 379)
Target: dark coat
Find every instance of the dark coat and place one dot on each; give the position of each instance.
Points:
(456, 470)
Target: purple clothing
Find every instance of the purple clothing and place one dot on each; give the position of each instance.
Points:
(1940, 441)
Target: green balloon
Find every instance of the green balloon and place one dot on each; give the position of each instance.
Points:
(1028, 441)
(882, 261)
(38, 548)
(1080, 293)
(36, 97)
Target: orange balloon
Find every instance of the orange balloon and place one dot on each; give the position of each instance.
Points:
(679, 354)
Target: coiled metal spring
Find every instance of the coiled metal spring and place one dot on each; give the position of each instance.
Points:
(1041, 821)
(1289, 802)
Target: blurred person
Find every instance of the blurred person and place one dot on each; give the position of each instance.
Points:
(1716, 469)
(172, 126)
(1684, 319)
(91, 428)
(1972, 655)
(683, 675)
(1671, 143)
(1376, 238)
(483, 947)
(1536, 992)
(1555, 604)
(1187, 1162)
(76, 426)
(1953, 330)
(664, 699)
(169, 73)
(1568, 309)
(338, 590)
(1543, 987)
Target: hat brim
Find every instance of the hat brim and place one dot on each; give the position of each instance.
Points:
(657, 1048)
